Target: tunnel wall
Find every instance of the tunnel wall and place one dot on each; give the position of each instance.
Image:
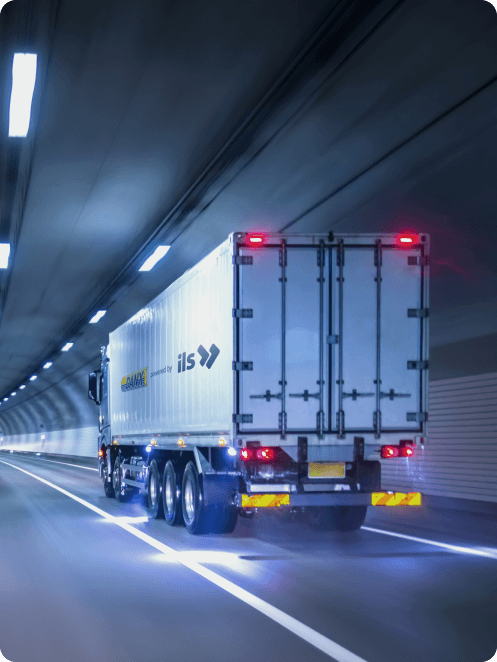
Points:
(459, 457)
(80, 442)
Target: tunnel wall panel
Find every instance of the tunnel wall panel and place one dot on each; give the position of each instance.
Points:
(459, 458)
(81, 442)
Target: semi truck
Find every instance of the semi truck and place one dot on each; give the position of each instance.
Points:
(274, 374)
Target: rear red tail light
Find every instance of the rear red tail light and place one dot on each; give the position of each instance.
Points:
(397, 451)
(264, 454)
(246, 454)
(407, 240)
(255, 239)
(257, 454)
(389, 451)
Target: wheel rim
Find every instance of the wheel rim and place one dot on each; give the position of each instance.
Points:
(153, 489)
(189, 500)
(169, 493)
(116, 483)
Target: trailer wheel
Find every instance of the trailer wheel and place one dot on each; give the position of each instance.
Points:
(195, 513)
(121, 492)
(153, 500)
(350, 518)
(319, 517)
(108, 487)
(225, 519)
(171, 496)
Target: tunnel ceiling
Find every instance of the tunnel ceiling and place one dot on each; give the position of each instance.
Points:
(178, 123)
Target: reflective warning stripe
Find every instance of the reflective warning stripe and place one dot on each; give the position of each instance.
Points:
(395, 499)
(265, 500)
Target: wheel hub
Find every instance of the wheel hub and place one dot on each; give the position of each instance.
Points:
(189, 500)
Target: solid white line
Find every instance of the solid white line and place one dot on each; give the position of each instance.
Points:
(68, 464)
(306, 633)
(453, 548)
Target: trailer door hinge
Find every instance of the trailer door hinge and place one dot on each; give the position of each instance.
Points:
(418, 416)
(333, 340)
(243, 365)
(243, 259)
(417, 312)
(243, 312)
(321, 255)
(417, 365)
(243, 418)
(417, 261)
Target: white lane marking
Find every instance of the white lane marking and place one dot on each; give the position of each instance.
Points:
(487, 552)
(306, 633)
(69, 464)
(44, 459)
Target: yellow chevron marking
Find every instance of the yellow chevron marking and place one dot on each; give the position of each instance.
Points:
(396, 499)
(265, 500)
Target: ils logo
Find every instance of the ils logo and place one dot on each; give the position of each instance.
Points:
(207, 358)
(135, 380)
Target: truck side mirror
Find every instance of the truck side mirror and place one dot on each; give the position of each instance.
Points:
(94, 384)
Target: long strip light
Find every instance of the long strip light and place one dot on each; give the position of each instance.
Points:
(97, 317)
(157, 255)
(4, 255)
(23, 85)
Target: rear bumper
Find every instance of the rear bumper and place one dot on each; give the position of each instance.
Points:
(328, 499)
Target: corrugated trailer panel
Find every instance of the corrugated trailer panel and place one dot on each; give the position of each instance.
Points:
(156, 388)
(460, 456)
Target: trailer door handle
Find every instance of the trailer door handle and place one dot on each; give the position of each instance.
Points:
(306, 395)
(354, 395)
(267, 396)
(391, 394)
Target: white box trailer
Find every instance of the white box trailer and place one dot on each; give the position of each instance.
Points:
(266, 376)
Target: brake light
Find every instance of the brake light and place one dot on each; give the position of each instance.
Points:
(257, 454)
(255, 239)
(264, 454)
(246, 454)
(407, 240)
(407, 451)
(389, 451)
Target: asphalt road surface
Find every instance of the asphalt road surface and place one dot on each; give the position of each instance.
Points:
(84, 578)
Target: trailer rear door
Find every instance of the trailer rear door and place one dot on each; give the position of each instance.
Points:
(333, 337)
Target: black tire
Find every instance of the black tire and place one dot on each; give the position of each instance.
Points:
(350, 518)
(337, 518)
(108, 487)
(195, 514)
(198, 517)
(320, 517)
(171, 496)
(225, 519)
(153, 499)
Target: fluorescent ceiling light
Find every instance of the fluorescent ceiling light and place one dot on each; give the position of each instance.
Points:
(5, 399)
(13, 393)
(22, 386)
(23, 85)
(47, 365)
(4, 255)
(157, 255)
(67, 347)
(32, 378)
(98, 316)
